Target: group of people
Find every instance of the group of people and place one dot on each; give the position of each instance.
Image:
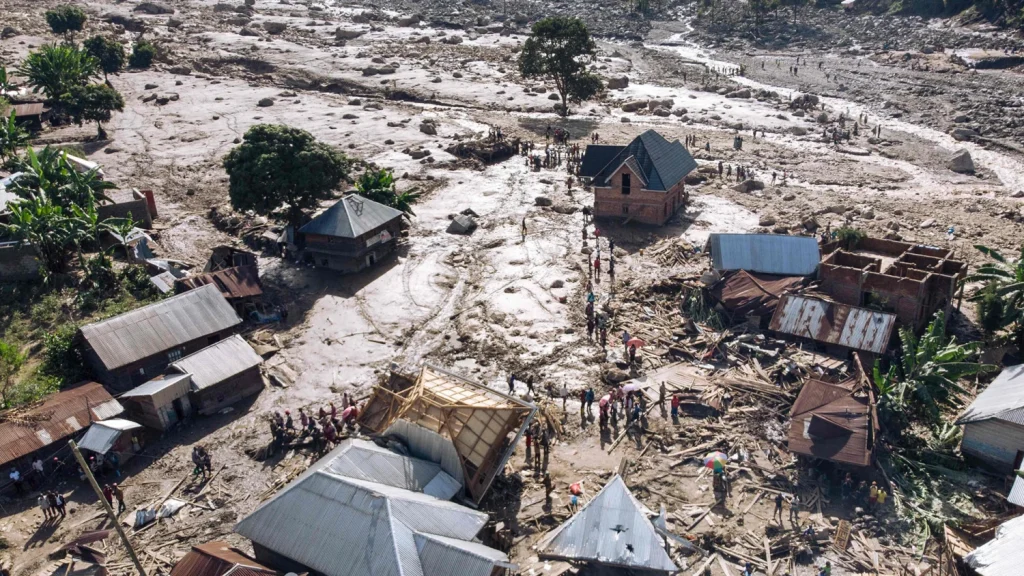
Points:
(53, 504)
(538, 445)
(631, 404)
(203, 463)
(324, 429)
(112, 493)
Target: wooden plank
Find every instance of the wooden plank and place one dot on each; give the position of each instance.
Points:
(701, 517)
(768, 555)
(752, 502)
(725, 566)
(700, 570)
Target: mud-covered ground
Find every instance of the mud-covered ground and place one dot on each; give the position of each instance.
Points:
(490, 303)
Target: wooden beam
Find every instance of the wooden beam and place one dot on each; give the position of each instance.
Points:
(701, 517)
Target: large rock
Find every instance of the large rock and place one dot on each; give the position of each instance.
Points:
(961, 162)
(461, 224)
(8, 32)
(798, 130)
(275, 27)
(360, 18)
(265, 102)
(153, 8)
(428, 128)
(741, 93)
(614, 375)
(662, 112)
(766, 220)
(749, 186)
(343, 34)
(634, 105)
(542, 201)
(653, 105)
(961, 134)
(617, 83)
(410, 20)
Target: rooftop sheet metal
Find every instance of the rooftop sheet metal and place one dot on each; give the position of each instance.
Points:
(829, 422)
(218, 362)
(1003, 399)
(765, 253)
(611, 529)
(744, 293)
(596, 157)
(101, 436)
(1017, 492)
(159, 327)
(834, 323)
(342, 526)
(162, 389)
(351, 217)
(235, 282)
(217, 559)
(440, 555)
(30, 109)
(24, 431)
(366, 461)
(1001, 556)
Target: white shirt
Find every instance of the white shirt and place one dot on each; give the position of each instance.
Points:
(15, 475)
(38, 465)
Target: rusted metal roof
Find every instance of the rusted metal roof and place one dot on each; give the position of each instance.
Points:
(31, 109)
(217, 559)
(236, 282)
(833, 323)
(744, 293)
(831, 422)
(25, 430)
(159, 327)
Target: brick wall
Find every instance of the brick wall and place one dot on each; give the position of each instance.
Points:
(18, 263)
(639, 205)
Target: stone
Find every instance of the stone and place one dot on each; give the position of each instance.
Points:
(373, 106)
(662, 112)
(456, 74)
(617, 82)
(798, 130)
(355, 102)
(370, 71)
(150, 86)
(275, 27)
(634, 105)
(558, 284)
(789, 196)
(766, 220)
(613, 375)
(247, 31)
(553, 96)
(453, 39)
(961, 162)
(9, 32)
(153, 8)
(265, 102)
(798, 114)
(927, 223)
(360, 18)
(822, 118)
(419, 153)
(1017, 194)
(461, 224)
(347, 34)
(625, 120)
(409, 21)
(741, 93)
(748, 186)
(180, 70)
(653, 105)
(961, 134)
(349, 116)
(542, 201)
(428, 128)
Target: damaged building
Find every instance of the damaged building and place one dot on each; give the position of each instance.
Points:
(912, 281)
(835, 422)
(837, 328)
(352, 235)
(482, 424)
(364, 510)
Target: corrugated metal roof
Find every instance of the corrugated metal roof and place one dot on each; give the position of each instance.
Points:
(177, 384)
(765, 253)
(218, 362)
(428, 445)
(744, 293)
(101, 436)
(218, 559)
(1017, 492)
(351, 217)
(1003, 399)
(342, 526)
(25, 430)
(1001, 556)
(611, 529)
(440, 555)
(366, 461)
(830, 423)
(159, 327)
(833, 323)
(662, 164)
(236, 282)
(30, 109)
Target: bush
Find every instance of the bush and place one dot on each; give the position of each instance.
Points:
(61, 357)
(65, 19)
(109, 53)
(990, 310)
(142, 55)
(849, 237)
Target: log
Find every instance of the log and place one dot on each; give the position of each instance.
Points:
(701, 517)
(767, 555)
(706, 564)
(725, 566)
(752, 502)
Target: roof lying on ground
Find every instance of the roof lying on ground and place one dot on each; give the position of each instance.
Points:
(101, 436)
(159, 327)
(218, 559)
(218, 362)
(833, 323)
(236, 282)
(612, 529)
(660, 163)
(30, 109)
(25, 430)
(336, 522)
(1003, 399)
(765, 253)
(744, 293)
(1002, 555)
(351, 217)
(829, 422)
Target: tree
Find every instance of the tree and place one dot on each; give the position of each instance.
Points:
(278, 165)
(45, 225)
(108, 52)
(379, 186)
(93, 103)
(1004, 279)
(142, 55)
(55, 69)
(11, 361)
(12, 138)
(49, 173)
(66, 20)
(559, 49)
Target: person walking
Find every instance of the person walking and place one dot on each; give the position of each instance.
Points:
(108, 494)
(523, 229)
(583, 403)
(529, 444)
(545, 444)
(872, 495)
(597, 267)
(590, 328)
(625, 341)
(511, 383)
(119, 496)
(62, 504)
(604, 337)
(44, 505)
(661, 396)
(778, 508)
(537, 449)
(632, 355)
(529, 383)
(675, 406)
(590, 401)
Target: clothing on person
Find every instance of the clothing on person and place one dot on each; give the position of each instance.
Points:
(675, 405)
(119, 496)
(44, 505)
(108, 494)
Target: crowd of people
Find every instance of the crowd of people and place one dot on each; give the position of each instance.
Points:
(323, 429)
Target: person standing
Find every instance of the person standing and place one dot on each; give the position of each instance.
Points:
(44, 505)
(597, 267)
(590, 401)
(108, 494)
(61, 504)
(529, 443)
(545, 444)
(882, 495)
(583, 403)
(119, 496)
(675, 406)
(794, 510)
(632, 355)
(661, 396)
(872, 495)
(19, 484)
(604, 337)
(303, 419)
(37, 471)
(778, 508)
(590, 328)
(523, 229)
(511, 383)
(529, 383)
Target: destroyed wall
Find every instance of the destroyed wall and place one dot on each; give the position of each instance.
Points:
(138, 209)
(18, 262)
(639, 205)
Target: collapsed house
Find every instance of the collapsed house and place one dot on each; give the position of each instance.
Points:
(640, 182)
(26, 431)
(841, 329)
(752, 296)
(354, 234)
(611, 531)
(482, 424)
(835, 422)
(221, 374)
(365, 510)
(240, 285)
(776, 254)
(910, 280)
(130, 349)
(160, 403)
(220, 559)
(994, 423)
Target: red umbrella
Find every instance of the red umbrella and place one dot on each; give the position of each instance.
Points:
(635, 342)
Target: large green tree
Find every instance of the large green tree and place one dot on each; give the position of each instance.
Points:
(559, 49)
(379, 186)
(277, 166)
(108, 52)
(66, 20)
(55, 69)
(93, 103)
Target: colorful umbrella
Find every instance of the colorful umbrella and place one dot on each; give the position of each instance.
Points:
(635, 342)
(716, 461)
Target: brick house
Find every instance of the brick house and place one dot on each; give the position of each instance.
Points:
(640, 182)
(354, 234)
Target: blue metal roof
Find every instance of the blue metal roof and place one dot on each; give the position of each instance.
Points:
(765, 253)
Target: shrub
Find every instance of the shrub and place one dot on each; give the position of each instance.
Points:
(990, 310)
(61, 357)
(66, 20)
(142, 55)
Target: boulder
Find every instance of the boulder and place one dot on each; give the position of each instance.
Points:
(461, 224)
(418, 153)
(653, 105)
(748, 186)
(409, 20)
(542, 201)
(180, 70)
(223, 7)
(558, 284)
(265, 102)
(662, 112)
(741, 93)
(798, 130)
(766, 220)
(275, 27)
(927, 223)
(617, 82)
(8, 32)
(175, 23)
(347, 34)
(247, 31)
(153, 8)
(961, 134)
(822, 118)
(453, 39)
(634, 105)
(360, 18)
(614, 375)
(961, 162)
(428, 128)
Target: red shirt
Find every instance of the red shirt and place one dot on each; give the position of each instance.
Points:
(675, 402)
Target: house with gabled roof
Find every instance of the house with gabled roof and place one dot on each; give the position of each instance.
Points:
(639, 182)
(354, 234)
